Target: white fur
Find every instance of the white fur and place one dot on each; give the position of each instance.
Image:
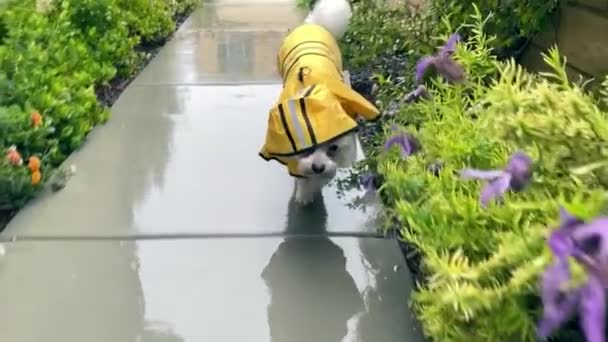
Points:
(320, 166)
(334, 15)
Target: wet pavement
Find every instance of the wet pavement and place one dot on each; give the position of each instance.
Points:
(179, 155)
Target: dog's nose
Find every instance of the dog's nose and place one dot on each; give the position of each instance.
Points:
(318, 168)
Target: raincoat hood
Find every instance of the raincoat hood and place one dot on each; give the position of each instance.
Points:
(315, 106)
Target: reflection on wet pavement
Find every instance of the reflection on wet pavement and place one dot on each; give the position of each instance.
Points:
(227, 42)
(207, 290)
(297, 277)
(180, 155)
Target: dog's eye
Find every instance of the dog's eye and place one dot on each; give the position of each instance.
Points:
(333, 148)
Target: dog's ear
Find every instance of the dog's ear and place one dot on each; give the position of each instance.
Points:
(353, 103)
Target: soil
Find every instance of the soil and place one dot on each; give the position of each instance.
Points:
(413, 259)
(362, 81)
(109, 94)
(5, 217)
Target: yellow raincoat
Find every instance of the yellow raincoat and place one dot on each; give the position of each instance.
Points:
(315, 105)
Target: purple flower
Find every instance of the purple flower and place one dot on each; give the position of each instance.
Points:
(443, 63)
(515, 176)
(587, 244)
(368, 181)
(406, 142)
(416, 94)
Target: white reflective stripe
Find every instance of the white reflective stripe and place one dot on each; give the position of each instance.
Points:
(346, 77)
(296, 123)
(302, 91)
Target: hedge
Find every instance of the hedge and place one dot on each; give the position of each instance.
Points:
(53, 62)
(538, 146)
(512, 24)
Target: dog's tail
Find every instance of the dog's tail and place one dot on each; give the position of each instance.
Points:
(334, 15)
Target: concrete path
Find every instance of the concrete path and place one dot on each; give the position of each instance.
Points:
(180, 156)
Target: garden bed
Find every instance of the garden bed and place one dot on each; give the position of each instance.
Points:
(82, 54)
(477, 259)
(107, 95)
(362, 81)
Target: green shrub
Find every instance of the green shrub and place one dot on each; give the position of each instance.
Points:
(305, 4)
(483, 263)
(103, 26)
(378, 32)
(150, 20)
(510, 22)
(51, 65)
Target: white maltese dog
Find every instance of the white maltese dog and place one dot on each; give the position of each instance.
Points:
(312, 128)
(319, 166)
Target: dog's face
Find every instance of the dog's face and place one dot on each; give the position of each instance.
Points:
(324, 161)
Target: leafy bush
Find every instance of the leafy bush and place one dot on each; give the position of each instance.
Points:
(305, 4)
(150, 20)
(511, 21)
(483, 263)
(94, 19)
(381, 48)
(378, 32)
(50, 66)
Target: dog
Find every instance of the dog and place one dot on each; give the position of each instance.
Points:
(312, 128)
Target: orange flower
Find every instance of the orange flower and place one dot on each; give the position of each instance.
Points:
(36, 177)
(36, 118)
(34, 164)
(13, 156)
